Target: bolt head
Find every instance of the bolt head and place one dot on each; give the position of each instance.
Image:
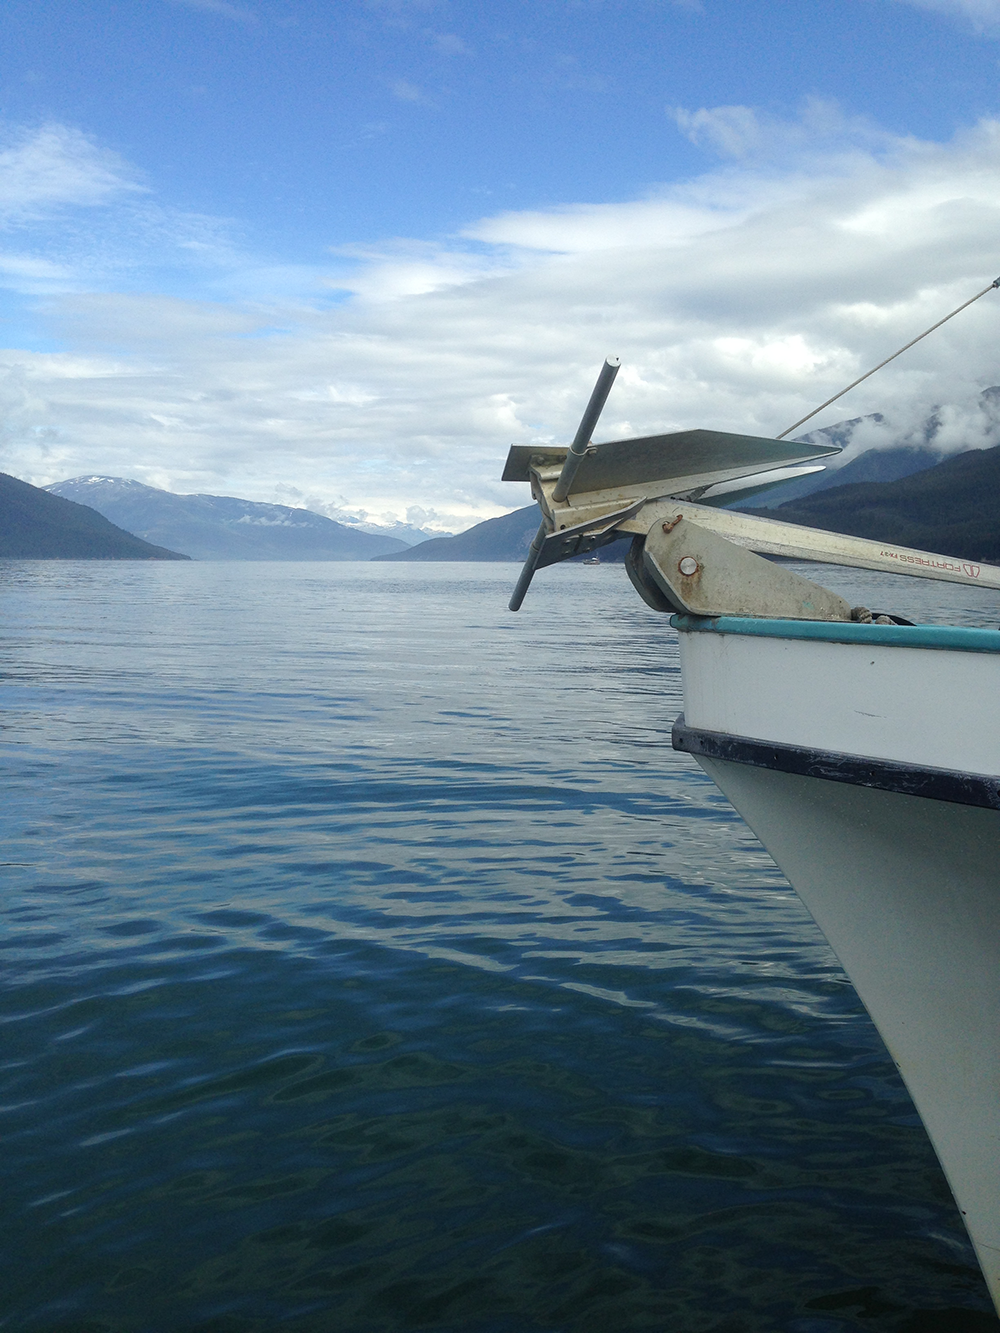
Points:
(688, 565)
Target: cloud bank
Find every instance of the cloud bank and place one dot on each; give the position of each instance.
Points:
(396, 376)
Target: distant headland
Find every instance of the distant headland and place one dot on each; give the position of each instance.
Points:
(35, 525)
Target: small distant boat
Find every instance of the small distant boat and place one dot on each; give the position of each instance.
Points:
(592, 560)
(863, 751)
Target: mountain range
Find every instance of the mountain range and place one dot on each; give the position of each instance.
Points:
(221, 527)
(953, 508)
(909, 493)
(35, 525)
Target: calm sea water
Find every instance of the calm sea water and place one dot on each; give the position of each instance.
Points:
(372, 962)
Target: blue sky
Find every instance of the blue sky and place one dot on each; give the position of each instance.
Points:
(342, 254)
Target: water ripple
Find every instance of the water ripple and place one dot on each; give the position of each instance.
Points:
(372, 962)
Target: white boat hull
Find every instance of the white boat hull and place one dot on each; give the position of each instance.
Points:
(865, 759)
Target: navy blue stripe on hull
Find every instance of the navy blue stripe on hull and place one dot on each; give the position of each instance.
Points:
(934, 784)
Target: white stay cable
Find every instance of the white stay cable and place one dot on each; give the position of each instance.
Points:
(856, 382)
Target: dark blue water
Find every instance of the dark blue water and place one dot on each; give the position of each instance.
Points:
(372, 962)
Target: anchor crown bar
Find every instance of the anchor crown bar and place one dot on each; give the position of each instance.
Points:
(581, 445)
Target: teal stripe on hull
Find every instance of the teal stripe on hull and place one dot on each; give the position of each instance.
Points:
(895, 636)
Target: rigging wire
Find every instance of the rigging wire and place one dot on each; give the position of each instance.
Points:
(865, 376)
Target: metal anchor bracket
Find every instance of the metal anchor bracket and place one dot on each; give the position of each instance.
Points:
(699, 572)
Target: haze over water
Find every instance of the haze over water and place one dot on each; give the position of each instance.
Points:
(371, 962)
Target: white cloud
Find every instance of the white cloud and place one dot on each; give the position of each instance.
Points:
(983, 15)
(53, 166)
(736, 300)
(75, 216)
(744, 132)
(586, 228)
(409, 268)
(34, 272)
(735, 131)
